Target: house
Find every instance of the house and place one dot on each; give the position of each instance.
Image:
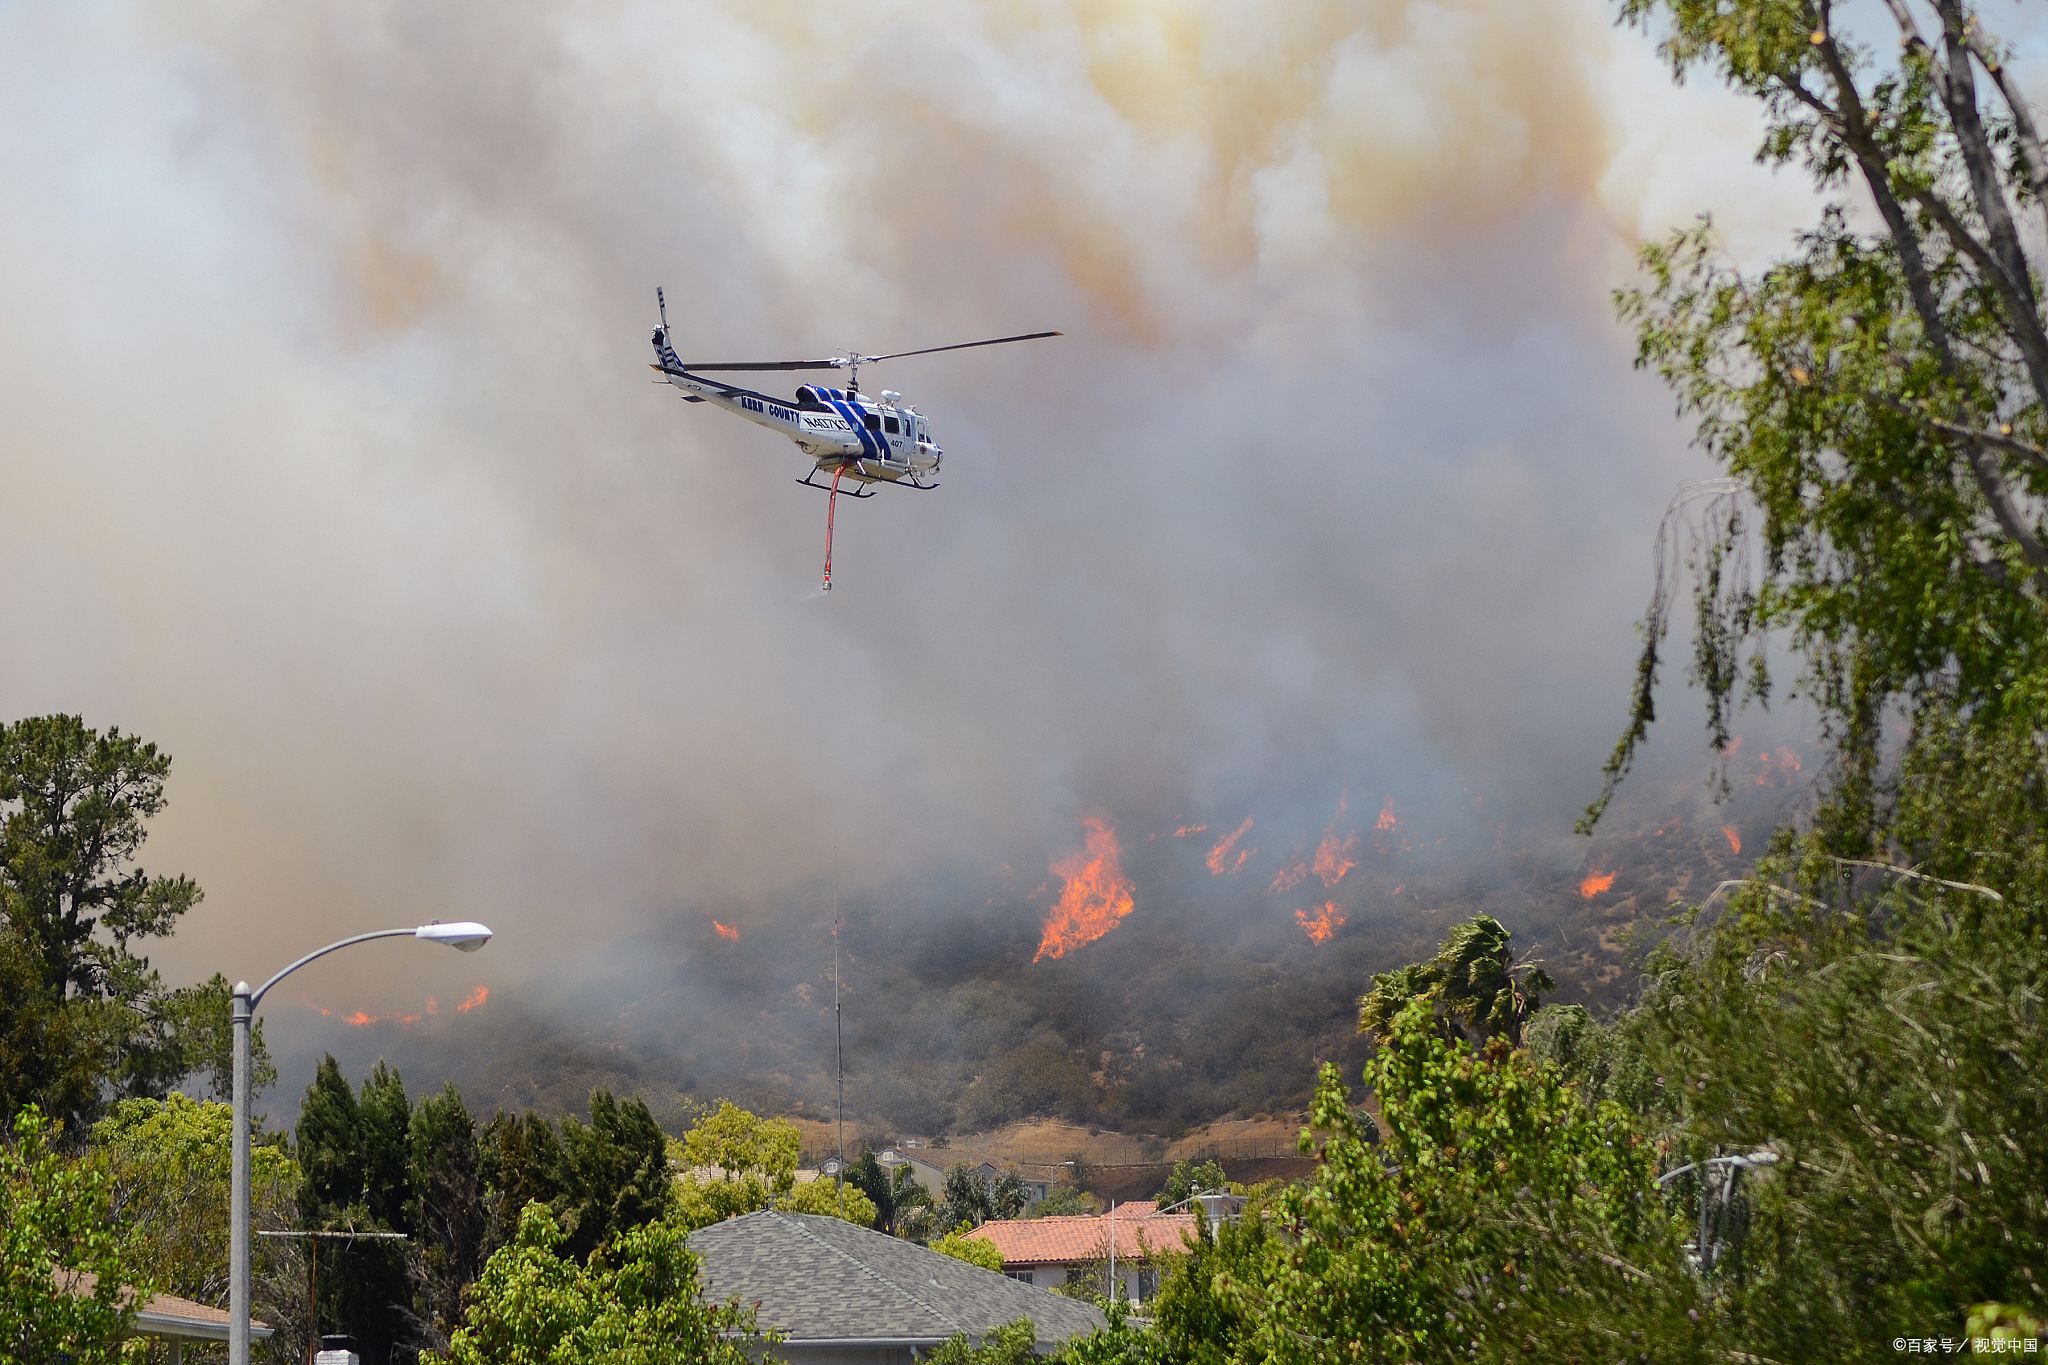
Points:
(1046, 1252)
(846, 1295)
(168, 1318)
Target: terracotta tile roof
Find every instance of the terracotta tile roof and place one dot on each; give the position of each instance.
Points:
(1081, 1237)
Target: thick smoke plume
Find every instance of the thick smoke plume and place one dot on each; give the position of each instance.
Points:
(331, 464)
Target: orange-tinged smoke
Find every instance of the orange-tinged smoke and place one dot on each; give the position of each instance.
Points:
(1220, 857)
(1322, 924)
(1097, 893)
(433, 1005)
(475, 998)
(1185, 830)
(1734, 839)
(1386, 820)
(1290, 876)
(726, 931)
(1595, 883)
(358, 1018)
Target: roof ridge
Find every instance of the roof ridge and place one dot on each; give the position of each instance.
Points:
(863, 1266)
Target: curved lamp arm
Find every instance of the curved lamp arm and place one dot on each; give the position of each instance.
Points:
(467, 936)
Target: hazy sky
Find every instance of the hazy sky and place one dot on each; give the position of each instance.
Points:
(330, 460)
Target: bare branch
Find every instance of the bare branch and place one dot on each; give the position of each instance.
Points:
(1896, 870)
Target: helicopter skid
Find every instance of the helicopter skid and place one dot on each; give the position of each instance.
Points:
(848, 491)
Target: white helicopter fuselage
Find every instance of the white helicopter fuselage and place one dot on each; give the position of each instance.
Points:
(844, 431)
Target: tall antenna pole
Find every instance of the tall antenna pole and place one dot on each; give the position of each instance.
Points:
(838, 1046)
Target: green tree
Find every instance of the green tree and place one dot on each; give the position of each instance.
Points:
(1470, 981)
(74, 805)
(1190, 1178)
(1006, 1198)
(1886, 1054)
(352, 1150)
(735, 1142)
(1877, 397)
(1498, 1219)
(51, 1052)
(1014, 1343)
(168, 1164)
(447, 1212)
(967, 1197)
(635, 1302)
(973, 1250)
(520, 1162)
(756, 1163)
(615, 1172)
(823, 1197)
(69, 1271)
(866, 1175)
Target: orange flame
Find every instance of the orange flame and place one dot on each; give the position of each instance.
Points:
(1784, 763)
(1219, 856)
(1333, 858)
(1326, 922)
(362, 1017)
(1386, 820)
(726, 931)
(476, 997)
(1734, 839)
(1595, 883)
(1185, 830)
(1287, 878)
(1096, 896)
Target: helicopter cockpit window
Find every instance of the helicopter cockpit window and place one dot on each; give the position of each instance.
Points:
(889, 425)
(807, 399)
(872, 421)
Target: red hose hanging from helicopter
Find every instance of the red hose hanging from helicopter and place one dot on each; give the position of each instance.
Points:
(831, 506)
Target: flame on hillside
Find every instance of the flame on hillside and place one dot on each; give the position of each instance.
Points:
(1097, 893)
(1333, 858)
(1220, 859)
(1595, 883)
(1386, 820)
(359, 1018)
(726, 931)
(1779, 768)
(1288, 877)
(1734, 839)
(1185, 830)
(1322, 924)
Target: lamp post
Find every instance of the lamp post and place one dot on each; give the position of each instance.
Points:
(466, 936)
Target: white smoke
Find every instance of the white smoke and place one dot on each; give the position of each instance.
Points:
(331, 464)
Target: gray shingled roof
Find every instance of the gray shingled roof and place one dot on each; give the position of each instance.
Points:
(824, 1279)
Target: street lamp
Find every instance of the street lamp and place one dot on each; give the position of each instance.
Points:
(467, 936)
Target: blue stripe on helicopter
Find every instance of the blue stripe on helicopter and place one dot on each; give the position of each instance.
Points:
(869, 445)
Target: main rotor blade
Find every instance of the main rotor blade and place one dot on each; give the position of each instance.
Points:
(768, 365)
(963, 346)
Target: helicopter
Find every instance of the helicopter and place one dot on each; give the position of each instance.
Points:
(845, 433)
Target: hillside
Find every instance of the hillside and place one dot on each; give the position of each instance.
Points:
(1142, 986)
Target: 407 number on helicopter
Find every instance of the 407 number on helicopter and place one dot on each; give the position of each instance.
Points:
(845, 433)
